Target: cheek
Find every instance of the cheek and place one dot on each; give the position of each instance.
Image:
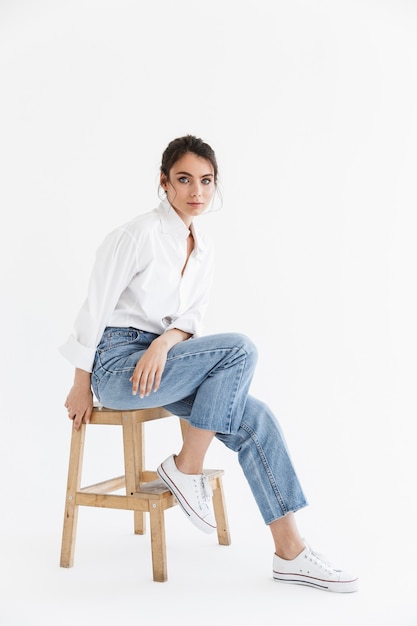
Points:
(176, 194)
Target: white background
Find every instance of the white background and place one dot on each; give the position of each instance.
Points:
(311, 107)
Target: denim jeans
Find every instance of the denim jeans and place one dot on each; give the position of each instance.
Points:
(206, 380)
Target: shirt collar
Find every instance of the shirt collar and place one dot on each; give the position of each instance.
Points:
(172, 224)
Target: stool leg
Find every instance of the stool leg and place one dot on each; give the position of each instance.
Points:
(139, 452)
(133, 457)
(71, 508)
(158, 543)
(219, 505)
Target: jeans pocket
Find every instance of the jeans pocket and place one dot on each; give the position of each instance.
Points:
(117, 337)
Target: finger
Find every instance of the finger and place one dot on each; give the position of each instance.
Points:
(150, 384)
(135, 383)
(143, 385)
(71, 413)
(138, 381)
(157, 380)
(87, 415)
(77, 421)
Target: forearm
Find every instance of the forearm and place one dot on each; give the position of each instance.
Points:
(82, 379)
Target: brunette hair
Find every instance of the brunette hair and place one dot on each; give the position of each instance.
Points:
(180, 146)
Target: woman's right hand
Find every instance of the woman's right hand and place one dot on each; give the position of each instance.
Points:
(150, 367)
(79, 402)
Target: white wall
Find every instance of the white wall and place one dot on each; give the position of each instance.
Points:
(312, 110)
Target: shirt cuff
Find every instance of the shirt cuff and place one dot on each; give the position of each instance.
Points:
(77, 354)
(187, 326)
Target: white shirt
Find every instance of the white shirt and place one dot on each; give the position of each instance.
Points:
(137, 282)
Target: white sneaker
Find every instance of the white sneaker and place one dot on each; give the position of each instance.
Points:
(193, 493)
(309, 568)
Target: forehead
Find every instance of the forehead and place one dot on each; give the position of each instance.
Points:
(193, 164)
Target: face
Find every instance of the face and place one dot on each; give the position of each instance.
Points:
(190, 187)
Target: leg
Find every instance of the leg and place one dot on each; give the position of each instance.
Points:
(219, 504)
(183, 475)
(287, 539)
(265, 460)
(208, 378)
(216, 371)
(195, 445)
(266, 463)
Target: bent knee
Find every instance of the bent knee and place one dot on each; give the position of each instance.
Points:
(242, 341)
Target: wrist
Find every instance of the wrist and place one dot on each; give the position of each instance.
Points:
(171, 337)
(164, 342)
(82, 378)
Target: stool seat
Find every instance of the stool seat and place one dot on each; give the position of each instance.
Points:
(144, 491)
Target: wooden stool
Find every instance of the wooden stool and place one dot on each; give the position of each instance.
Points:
(144, 491)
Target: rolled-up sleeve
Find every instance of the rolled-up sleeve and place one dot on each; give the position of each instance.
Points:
(114, 267)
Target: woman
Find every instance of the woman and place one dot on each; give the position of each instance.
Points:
(137, 343)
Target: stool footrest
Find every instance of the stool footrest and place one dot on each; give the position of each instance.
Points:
(136, 502)
(106, 486)
(155, 487)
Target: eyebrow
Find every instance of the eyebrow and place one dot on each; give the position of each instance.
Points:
(188, 174)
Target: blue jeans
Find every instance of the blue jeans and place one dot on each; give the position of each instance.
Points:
(206, 380)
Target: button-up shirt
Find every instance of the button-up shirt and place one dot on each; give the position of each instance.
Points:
(138, 281)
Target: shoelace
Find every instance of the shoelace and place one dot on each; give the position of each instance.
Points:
(206, 488)
(321, 561)
(204, 491)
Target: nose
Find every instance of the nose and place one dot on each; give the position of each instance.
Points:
(196, 190)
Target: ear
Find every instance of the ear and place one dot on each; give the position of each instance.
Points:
(163, 181)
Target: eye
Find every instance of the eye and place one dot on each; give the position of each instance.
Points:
(206, 181)
(183, 179)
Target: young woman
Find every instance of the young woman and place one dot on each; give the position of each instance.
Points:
(137, 343)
